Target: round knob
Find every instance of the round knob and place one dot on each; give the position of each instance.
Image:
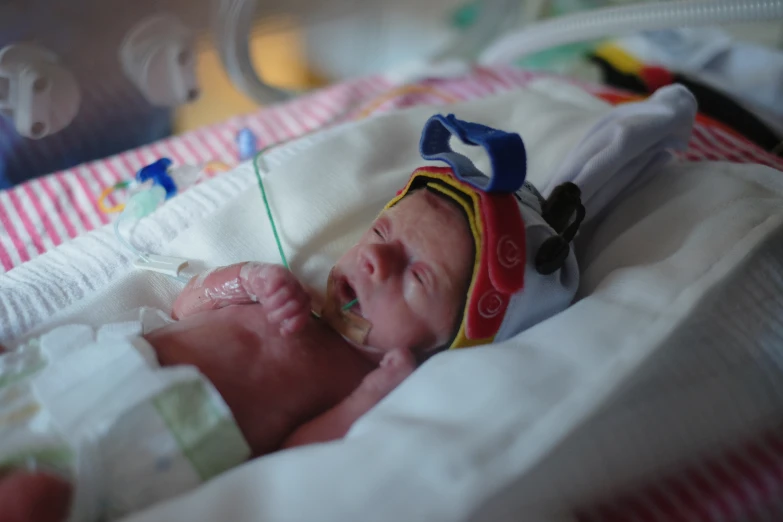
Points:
(36, 90)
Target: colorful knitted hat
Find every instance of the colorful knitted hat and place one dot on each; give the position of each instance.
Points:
(524, 270)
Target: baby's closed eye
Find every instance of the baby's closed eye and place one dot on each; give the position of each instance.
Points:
(421, 274)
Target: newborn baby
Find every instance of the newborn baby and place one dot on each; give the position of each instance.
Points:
(449, 263)
(290, 378)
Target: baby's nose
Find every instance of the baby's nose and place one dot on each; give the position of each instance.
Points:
(382, 260)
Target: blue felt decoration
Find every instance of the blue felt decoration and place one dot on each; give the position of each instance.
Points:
(506, 152)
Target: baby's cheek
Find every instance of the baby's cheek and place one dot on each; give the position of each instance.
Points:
(399, 331)
(412, 292)
(446, 319)
(387, 332)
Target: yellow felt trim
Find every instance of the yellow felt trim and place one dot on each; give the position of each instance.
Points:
(463, 342)
(620, 59)
(402, 194)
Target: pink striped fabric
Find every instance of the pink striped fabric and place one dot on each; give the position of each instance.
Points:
(45, 212)
(745, 483)
(42, 213)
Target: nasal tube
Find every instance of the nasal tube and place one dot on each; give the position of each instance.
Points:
(626, 19)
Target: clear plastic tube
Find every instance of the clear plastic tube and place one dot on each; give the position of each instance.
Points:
(233, 27)
(235, 20)
(627, 19)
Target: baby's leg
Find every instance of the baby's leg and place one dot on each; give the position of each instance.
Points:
(27, 496)
(395, 367)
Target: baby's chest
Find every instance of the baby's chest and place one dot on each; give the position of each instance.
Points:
(270, 383)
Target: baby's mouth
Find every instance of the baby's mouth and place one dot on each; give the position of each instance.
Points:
(351, 324)
(347, 297)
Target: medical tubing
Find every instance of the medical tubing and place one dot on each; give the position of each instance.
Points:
(124, 242)
(260, 160)
(139, 205)
(235, 20)
(613, 21)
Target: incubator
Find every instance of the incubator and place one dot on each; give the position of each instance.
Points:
(52, 61)
(462, 440)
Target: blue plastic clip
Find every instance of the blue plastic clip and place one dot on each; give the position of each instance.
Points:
(506, 152)
(246, 144)
(158, 172)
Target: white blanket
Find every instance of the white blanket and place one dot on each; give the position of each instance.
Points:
(322, 201)
(542, 423)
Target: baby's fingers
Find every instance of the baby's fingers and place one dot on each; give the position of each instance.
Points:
(262, 279)
(293, 309)
(288, 310)
(294, 324)
(284, 295)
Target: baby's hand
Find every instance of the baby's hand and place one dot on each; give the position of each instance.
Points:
(285, 300)
(394, 368)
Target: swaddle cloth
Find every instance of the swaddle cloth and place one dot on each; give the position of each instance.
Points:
(94, 406)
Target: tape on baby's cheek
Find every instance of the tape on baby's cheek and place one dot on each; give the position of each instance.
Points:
(348, 324)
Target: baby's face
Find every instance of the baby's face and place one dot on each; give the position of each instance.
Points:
(410, 273)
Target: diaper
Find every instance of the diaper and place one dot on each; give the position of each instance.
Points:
(95, 407)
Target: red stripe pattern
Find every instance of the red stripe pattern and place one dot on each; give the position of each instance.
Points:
(745, 483)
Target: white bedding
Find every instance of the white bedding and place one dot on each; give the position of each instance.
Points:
(671, 351)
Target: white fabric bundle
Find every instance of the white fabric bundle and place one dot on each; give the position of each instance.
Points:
(95, 407)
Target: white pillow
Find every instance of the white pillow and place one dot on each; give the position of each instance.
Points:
(684, 295)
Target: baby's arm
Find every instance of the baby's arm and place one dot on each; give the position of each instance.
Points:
(335, 423)
(273, 286)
